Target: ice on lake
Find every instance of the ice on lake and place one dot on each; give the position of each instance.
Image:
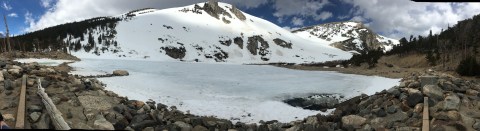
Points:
(246, 93)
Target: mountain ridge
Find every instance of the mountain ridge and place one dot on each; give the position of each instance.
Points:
(349, 36)
(180, 34)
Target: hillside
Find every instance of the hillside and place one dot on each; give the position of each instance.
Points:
(204, 32)
(348, 36)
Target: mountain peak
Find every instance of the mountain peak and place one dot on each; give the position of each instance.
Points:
(348, 36)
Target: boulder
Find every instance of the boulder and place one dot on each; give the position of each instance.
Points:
(476, 126)
(8, 84)
(311, 120)
(8, 117)
(96, 102)
(414, 85)
(149, 129)
(472, 92)
(35, 116)
(1, 77)
(14, 71)
(34, 108)
(353, 120)
(392, 109)
(81, 125)
(414, 98)
(418, 108)
(379, 112)
(184, 126)
(143, 124)
(452, 102)
(120, 73)
(454, 115)
(43, 123)
(101, 123)
(428, 80)
(200, 128)
(433, 91)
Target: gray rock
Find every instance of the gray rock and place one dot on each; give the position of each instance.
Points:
(476, 126)
(472, 92)
(433, 92)
(407, 129)
(34, 117)
(311, 120)
(1, 77)
(8, 84)
(394, 91)
(414, 99)
(414, 85)
(199, 128)
(139, 118)
(8, 117)
(403, 84)
(43, 123)
(418, 108)
(34, 108)
(353, 120)
(380, 112)
(8, 93)
(148, 129)
(143, 124)
(392, 109)
(184, 126)
(102, 124)
(452, 102)
(120, 73)
(428, 80)
(81, 125)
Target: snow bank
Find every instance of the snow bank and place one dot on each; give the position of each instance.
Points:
(43, 61)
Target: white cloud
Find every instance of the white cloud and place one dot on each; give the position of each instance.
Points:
(46, 3)
(297, 21)
(6, 6)
(290, 28)
(305, 8)
(401, 18)
(63, 11)
(29, 19)
(325, 15)
(13, 15)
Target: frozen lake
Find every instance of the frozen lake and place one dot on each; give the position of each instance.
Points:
(246, 93)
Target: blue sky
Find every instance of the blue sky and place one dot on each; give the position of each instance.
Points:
(392, 18)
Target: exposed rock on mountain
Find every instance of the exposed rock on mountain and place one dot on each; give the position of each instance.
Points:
(348, 36)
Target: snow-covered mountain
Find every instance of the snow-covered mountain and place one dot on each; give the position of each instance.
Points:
(348, 36)
(204, 32)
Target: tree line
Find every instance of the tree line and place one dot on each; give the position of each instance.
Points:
(66, 37)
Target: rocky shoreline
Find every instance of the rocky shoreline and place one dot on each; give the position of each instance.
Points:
(85, 104)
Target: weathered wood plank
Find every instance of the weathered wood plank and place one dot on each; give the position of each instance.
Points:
(52, 110)
(20, 122)
(426, 117)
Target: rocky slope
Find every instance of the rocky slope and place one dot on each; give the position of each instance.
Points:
(348, 36)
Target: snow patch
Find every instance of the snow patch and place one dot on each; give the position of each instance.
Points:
(43, 61)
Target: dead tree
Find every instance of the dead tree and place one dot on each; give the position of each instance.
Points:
(8, 34)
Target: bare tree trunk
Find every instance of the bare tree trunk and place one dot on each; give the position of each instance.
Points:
(8, 34)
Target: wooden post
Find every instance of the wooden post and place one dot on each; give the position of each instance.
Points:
(426, 117)
(20, 123)
(53, 112)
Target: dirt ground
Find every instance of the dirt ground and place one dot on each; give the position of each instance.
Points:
(400, 66)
